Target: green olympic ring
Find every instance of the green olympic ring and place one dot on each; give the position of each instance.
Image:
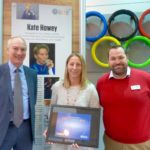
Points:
(126, 45)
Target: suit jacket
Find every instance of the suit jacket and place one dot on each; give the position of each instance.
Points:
(6, 98)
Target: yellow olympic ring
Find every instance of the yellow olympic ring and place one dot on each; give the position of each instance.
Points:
(97, 43)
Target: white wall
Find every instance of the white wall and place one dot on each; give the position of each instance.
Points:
(111, 5)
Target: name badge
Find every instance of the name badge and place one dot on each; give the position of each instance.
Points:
(135, 87)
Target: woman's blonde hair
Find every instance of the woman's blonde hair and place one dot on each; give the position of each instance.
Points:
(83, 79)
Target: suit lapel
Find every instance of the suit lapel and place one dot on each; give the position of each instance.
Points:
(7, 77)
(27, 75)
(29, 80)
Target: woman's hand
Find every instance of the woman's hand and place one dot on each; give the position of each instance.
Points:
(45, 135)
(75, 145)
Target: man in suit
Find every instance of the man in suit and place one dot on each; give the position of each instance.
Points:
(11, 136)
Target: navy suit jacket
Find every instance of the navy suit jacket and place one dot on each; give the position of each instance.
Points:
(6, 98)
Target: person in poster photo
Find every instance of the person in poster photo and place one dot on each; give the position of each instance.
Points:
(43, 65)
(28, 12)
(48, 82)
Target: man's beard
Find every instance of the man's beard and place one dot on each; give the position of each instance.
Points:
(120, 72)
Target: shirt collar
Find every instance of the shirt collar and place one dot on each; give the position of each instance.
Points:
(128, 73)
(13, 67)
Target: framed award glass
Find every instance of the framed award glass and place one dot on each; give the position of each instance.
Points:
(72, 124)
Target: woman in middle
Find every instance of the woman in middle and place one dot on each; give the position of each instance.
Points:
(74, 90)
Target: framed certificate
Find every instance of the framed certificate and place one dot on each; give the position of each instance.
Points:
(71, 124)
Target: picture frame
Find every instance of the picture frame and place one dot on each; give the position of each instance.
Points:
(72, 124)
